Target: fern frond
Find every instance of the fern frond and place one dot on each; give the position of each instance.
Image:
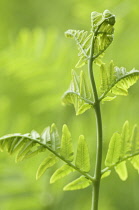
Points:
(122, 148)
(116, 81)
(102, 26)
(83, 41)
(28, 145)
(101, 33)
(79, 93)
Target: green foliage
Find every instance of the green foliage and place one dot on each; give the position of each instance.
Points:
(116, 81)
(101, 33)
(122, 148)
(82, 157)
(79, 93)
(66, 149)
(83, 41)
(78, 184)
(61, 172)
(28, 145)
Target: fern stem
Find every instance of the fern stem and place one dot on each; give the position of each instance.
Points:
(97, 172)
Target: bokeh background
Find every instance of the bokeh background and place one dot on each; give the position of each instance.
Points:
(35, 66)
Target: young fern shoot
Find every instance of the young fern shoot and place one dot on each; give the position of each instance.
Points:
(84, 94)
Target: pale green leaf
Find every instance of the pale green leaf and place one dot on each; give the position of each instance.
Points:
(78, 184)
(61, 172)
(82, 158)
(47, 163)
(121, 170)
(55, 139)
(66, 149)
(26, 148)
(79, 93)
(125, 135)
(113, 150)
(83, 41)
(106, 174)
(108, 98)
(45, 136)
(135, 162)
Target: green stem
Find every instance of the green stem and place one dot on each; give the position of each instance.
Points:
(97, 172)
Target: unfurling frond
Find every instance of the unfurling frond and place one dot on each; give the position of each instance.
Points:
(102, 26)
(56, 148)
(79, 93)
(122, 148)
(116, 81)
(100, 37)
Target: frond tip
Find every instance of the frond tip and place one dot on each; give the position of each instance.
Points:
(101, 34)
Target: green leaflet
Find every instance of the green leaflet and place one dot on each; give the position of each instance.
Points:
(47, 163)
(78, 184)
(51, 137)
(114, 150)
(82, 158)
(79, 93)
(25, 149)
(61, 172)
(55, 139)
(121, 170)
(135, 162)
(116, 81)
(106, 174)
(123, 147)
(83, 41)
(66, 149)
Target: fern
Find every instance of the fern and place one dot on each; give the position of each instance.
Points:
(28, 145)
(83, 41)
(122, 148)
(116, 81)
(101, 32)
(79, 93)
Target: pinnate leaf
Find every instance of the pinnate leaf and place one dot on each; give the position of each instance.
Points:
(78, 184)
(82, 158)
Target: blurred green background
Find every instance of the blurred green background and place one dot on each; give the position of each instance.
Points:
(35, 65)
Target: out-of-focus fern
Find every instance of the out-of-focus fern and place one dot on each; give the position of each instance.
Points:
(28, 145)
(27, 81)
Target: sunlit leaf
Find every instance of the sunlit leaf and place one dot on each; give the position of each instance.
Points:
(78, 184)
(82, 158)
(47, 163)
(61, 172)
